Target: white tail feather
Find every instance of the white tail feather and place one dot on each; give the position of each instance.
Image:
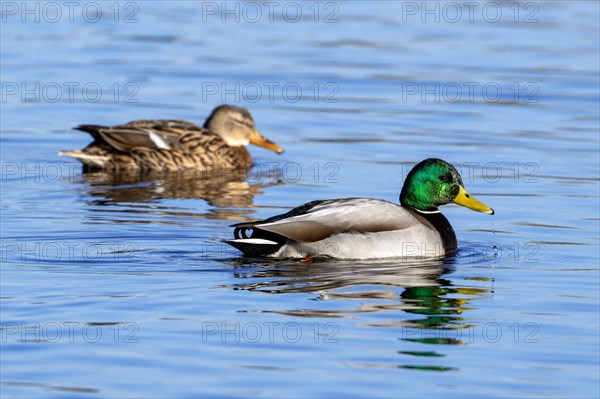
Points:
(90, 160)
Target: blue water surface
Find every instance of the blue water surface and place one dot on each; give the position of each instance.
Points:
(117, 287)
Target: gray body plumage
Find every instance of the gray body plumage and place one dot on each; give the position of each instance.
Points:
(351, 228)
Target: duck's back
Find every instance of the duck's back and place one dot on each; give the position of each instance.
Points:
(166, 145)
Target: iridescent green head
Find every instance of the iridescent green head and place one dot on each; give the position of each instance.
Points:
(434, 182)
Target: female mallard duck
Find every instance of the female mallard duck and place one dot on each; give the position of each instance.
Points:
(169, 145)
(362, 228)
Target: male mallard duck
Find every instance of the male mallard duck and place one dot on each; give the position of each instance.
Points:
(362, 228)
(169, 145)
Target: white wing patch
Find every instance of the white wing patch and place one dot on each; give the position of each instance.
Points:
(160, 143)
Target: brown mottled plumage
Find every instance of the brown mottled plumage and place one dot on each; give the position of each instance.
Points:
(170, 145)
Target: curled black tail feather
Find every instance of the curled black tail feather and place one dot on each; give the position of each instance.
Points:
(242, 232)
(256, 249)
(255, 232)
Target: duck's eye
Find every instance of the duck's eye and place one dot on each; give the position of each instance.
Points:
(444, 178)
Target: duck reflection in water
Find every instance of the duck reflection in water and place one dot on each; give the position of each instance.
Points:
(408, 288)
(221, 189)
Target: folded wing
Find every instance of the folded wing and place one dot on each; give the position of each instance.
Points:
(150, 134)
(321, 219)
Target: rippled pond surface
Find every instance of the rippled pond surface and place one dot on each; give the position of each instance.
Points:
(120, 287)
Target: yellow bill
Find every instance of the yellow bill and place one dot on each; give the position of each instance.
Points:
(465, 199)
(261, 141)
